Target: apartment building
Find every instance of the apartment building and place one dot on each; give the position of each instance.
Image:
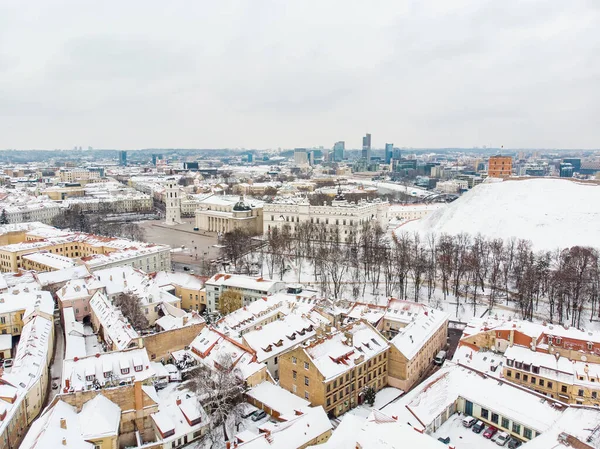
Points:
(24, 389)
(43, 212)
(500, 167)
(560, 362)
(94, 251)
(81, 175)
(15, 303)
(187, 287)
(120, 203)
(333, 369)
(251, 288)
(342, 215)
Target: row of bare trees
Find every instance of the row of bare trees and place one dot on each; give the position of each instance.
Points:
(468, 270)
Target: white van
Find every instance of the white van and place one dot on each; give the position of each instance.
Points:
(502, 438)
(468, 421)
(439, 358)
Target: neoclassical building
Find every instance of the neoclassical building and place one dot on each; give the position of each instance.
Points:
(223, 213)
(348, 217)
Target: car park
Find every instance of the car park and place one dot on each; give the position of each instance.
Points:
(478, 427)
(468, 421)
(490, 432)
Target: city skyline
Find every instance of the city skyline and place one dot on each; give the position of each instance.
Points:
(272, 75)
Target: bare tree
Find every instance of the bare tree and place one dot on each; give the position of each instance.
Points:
(230, 301)
(131, 308)
(221, 394)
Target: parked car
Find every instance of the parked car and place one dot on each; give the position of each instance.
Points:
(514, 443)
(502, 438)
(444, 440)
(439, 358)
(468, 421)
(258, 415)
(7, 363)
(249, 410)
(490, 432)
(478, 427)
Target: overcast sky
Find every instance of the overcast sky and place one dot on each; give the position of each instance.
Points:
(268, 74)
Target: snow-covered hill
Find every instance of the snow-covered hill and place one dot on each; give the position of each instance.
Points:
(552, 213)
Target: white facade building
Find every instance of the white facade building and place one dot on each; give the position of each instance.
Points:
(251, 288)
(172, 203)
(348, 217)
(224, 213)
(42, 212)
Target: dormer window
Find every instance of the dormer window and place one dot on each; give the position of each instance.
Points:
(549, 339)
(124, 371)
(90, 378)
(558, 340)
(138, 368)
(590, 346)
(107, 373)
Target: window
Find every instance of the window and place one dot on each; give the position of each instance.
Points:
(516, 428)
(306, 365)
(295, 374)
(294, 360)
(549, 385)
(89, 378)
(563, 388)
(535, 369)
(306, 381)
(527, 433)
(484, 413)
(533, 380)
(541, 382)
(525, 377)
(138, 368)
(505, 423)
(495, 418)
(293, 388)
(508, 373)
(594, 395)
(558, 340)
(124, 370)
(328, 402)
(580, 393)
(517, 376)
(306, 395)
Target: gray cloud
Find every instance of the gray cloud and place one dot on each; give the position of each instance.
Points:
(269, 74)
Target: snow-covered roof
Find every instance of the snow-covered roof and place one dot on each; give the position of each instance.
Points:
(117, 329)
(122, 366)
(75, 289)
(180, 414)
(47, 432)
(377, 431)
(280, 336)
(50, 260)
(277, 398)
(56, 277)
(180, 279)
(411, 338)
(175, 318)
(99, 417)
(354, 344)
(442, 389)
(247, 316)
(29, 363)
(295, 433)
(5, 342)
(74, 335)
(240, 281)
(27, 300)
(210, 345)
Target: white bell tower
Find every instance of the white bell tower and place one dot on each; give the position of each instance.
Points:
(172, 203)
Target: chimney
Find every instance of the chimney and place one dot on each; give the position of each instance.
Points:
(63, 423)
(64, 441)
(178, 401)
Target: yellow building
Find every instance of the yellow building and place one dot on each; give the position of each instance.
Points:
(187, 287)
(333, 370)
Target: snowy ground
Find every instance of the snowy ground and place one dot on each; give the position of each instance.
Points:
(92, 345)
(462, 437)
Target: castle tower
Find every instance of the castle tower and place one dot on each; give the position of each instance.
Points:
(172, 203)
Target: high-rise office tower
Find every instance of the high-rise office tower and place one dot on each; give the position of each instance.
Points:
(123, 158)
(338, 151)
(301, 156)
(396, 154)
(389, 152)
(366, 147)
